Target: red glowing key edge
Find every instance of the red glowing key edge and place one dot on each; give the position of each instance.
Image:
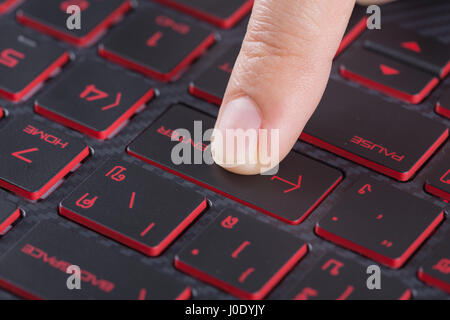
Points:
(164, 77)
(414, 99)
(442, 111)
(400, 176)
(437, 192)
(33, 196)
(18, 96)
(100, 135)
(392, 263)
(222, 23)
(352, 35)
(139, 246)
(79, 42)
(204, 95)
(8, 4)
(261, 293)
(10, 220)
(432, 281)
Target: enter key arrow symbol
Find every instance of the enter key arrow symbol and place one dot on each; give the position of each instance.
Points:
(294, 186)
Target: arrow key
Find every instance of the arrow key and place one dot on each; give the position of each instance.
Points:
(34, 157)
(422, 52)
(387, 75)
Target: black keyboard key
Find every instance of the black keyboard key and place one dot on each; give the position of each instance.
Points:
(299, 186)
(336, 278)
(355, 27)
(6, 5)
(387, 76)
(407, 46)
(96, 17)
(129, 204)
(241, 255)
(157, 45)
(212, 83)
(438, 182)
(380, 222)
(224, 14)
(25, 63)
(95, 99)
(9, 214)
(443, 105)
(45, 253)
(35, 157)
(435, 271)
(372, 132)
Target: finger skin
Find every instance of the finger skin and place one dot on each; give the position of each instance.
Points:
(282, 70)
(285, 62)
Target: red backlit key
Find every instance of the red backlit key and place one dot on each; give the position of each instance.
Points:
(241, 255)
(35, 157)
(2, 113)
(355, 27)
(443, 104)
(156, 44)
(211, 84)
(422, 52)
(291, 195)
(438, 183)
(9, 214)
(435, 271)
(373, 132)
(336, 278)
(25, 63)
(95, 99)
(6, 5)
(387, 75)
(224, 14)
(129, 204)
(47, 251)
(380, 222)
(96, 17)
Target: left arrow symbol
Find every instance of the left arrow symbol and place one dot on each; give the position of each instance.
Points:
(295, 186)
(19, 154)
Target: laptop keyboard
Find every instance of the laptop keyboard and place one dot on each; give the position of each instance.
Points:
(86, 125)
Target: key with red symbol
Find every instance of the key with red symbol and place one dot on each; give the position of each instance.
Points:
(48, 249)
(290, 195)
(6, 5)
(443, 104)
(373, 132)
(387, 75)
(211, 84)
(438, 182)
(34, 157)
(384, 224)
(2, 113)
(241, 255)
(133, 206)
(26, 63)
(356, 26)
(409, 47)
(156, 44)
(9, 215)
(224, 14)
(95, 99)
(336, 278)
(435, 271)
(96, 17)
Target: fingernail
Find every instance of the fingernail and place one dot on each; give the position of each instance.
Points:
(242, 113)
